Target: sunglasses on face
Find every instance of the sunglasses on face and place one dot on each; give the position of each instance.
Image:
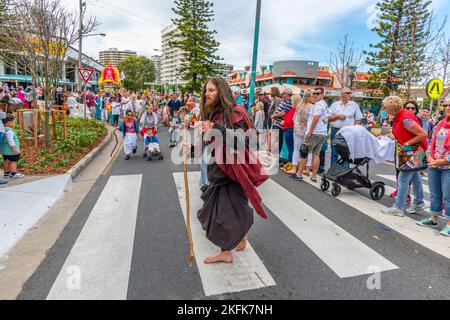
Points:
(410, 108)
(317, 93)
(446, 105)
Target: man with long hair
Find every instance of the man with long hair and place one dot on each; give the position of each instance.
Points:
(226, 215)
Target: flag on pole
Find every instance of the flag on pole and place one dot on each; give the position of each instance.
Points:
(122, 76)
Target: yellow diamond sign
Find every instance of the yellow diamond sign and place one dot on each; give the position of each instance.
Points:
(435, 88)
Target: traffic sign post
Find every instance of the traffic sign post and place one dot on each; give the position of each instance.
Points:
(85, 74)
(434, 90)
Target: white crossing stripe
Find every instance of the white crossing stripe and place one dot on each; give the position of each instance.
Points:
(428, 238)
(339, 250)
(393, 178)
(389, 190)
(99, 263)
(247, 272)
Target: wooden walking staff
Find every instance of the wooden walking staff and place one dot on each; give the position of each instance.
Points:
(186, 189)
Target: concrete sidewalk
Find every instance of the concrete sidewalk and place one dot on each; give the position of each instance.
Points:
(25, 201)
(25, 204)
(38, 212)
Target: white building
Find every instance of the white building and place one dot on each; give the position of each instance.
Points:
(114, 56)
(171, 59)
(157, 61)
(226, 70)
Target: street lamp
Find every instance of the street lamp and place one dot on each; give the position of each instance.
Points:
(80, 41)
(95, 34)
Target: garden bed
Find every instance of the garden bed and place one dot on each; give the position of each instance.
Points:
(62, 155)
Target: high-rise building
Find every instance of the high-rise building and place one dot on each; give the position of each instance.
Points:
(171, 59)
(226, 70)
(157, 61)
(114, 56)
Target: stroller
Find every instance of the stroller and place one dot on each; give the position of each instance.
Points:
(151, 143)
(352, 177)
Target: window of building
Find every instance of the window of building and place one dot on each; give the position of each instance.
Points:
(10, 69)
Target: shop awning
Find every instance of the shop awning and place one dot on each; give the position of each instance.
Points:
(13, 77)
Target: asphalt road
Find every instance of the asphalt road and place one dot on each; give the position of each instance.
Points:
(300, 265)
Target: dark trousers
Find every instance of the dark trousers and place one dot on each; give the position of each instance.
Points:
(116, 120)
(280, 139)
(334, 152)
(289, 137)
(322, 156)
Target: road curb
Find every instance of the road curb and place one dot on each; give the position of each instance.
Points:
(83, 163)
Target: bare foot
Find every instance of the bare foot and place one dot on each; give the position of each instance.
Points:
(241, 246)
(306, 173)
(224, 256)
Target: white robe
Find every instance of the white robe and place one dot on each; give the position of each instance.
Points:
(362, 144)
(129, 143)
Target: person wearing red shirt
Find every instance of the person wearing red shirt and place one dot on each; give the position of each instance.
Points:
(288, 129)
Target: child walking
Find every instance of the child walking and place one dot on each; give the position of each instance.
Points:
(130, 129)
(10, 149)
(116, 110)
(175, 124)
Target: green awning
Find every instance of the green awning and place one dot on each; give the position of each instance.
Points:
(13, 77)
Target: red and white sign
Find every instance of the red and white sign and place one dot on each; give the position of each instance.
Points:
(85, 74)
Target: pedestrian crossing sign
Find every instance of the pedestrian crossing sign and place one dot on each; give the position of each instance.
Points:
(435, 88)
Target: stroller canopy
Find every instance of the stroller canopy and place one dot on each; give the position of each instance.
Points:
(362, 144)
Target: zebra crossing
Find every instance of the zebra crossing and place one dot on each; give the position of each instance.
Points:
(99, 263)
(405, 226)
(247, 271)
(101, 256)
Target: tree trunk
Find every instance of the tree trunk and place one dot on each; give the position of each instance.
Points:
(394, 49)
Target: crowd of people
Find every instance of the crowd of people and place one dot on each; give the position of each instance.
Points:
(305, 124)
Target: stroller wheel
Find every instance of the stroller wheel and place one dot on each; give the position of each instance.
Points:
(149, 158)
(325, 185)
(160, 157)
(336, 191)
(377, 191)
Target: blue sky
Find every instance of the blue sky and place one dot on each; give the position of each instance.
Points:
(290, 29)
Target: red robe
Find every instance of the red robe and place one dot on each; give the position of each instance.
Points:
(249, 176)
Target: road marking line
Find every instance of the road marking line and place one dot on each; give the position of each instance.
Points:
(338, 249)
(393, 178)
(26, 206)
(405, 226)
(98, 266)
(247, 272)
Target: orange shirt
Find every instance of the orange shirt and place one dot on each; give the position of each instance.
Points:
(190, 105)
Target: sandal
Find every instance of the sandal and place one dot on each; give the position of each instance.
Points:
(313, 179)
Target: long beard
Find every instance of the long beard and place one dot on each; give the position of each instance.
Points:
(210, 107)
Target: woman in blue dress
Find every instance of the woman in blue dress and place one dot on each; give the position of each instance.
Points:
(98, 106)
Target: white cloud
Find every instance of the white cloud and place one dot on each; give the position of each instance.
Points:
(288, 27)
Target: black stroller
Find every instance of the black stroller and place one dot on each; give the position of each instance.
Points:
(352, 177)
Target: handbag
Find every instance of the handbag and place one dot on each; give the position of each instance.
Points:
(410, 158)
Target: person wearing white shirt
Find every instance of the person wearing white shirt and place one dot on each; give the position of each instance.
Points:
(72, 103)
(116, 109)
(125, 103)
(316, 135)
(342, 113)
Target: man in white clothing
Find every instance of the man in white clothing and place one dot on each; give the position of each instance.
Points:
(316, 135)
(343, 113)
